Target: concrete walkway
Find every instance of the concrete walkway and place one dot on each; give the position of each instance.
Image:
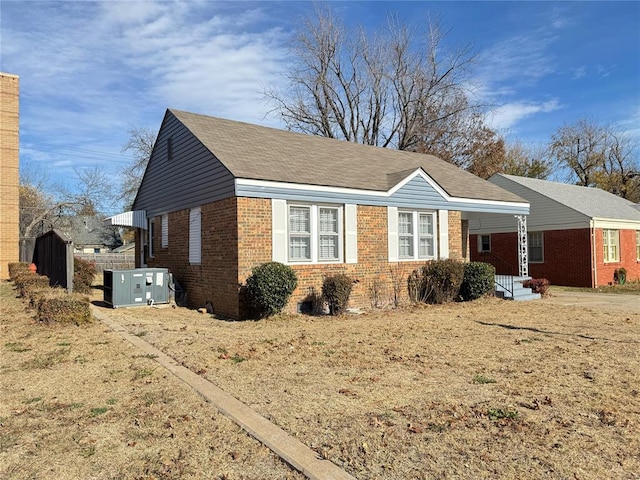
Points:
(287, 447)
(605, 301)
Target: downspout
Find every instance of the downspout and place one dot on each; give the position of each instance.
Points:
(594, 257)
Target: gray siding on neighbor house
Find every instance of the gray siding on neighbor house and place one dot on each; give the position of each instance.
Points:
(417, 193)
(192, 177)
(546, 214)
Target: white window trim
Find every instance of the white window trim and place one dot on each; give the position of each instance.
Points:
(315, 234)
(606, 243)
(480, 235)
(541, 247)
(394, 234)
(638, 245)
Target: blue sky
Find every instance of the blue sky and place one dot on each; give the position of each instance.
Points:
(92, 71)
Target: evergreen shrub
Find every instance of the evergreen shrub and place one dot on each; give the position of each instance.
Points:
(269, 287)
(478, 281)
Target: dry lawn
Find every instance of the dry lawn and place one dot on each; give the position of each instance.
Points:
(488, 389)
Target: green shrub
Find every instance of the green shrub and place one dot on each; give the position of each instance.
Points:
(84, 272)
(537, 285)
(441, 280)
(620, 276)
(61, 307)
(269, 288)
(478, 281)
(336, 291)
(16, 268)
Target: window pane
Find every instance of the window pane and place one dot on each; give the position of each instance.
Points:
(300, 220)
(328, 247)
(328, 220)
(426, 224)
(299, 248)
(426, 247)
(405, 223)
(535, 246)
(405, 245)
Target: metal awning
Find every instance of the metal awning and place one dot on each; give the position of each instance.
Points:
(135, 218)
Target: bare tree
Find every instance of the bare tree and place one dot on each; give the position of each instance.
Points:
(581, 147)
(394, 90)
(525, 161)
(598, 156)
(140, 144)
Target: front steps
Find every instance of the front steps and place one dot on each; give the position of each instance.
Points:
(520, 293)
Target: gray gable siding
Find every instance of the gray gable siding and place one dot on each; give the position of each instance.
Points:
(193, 176)
(417, 193)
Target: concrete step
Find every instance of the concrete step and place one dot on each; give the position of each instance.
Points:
(520, 293)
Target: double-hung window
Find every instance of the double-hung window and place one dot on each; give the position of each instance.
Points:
(416, 235)
(611, 243)
(535, 244)
(315, 233)
(638, 245)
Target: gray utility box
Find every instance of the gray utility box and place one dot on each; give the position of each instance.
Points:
(140, 286)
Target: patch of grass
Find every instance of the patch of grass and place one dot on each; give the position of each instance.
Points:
(237, 358)
(47, 360)
(16, 347)
(112, 401)
(629, 288)
(502, 413)
(63, 344)
(481, 379)
(142, 373)
(32, 400)
(99, 411)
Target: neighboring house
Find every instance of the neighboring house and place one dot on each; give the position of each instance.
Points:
(577, 236)
(89, 234)
(221, 197)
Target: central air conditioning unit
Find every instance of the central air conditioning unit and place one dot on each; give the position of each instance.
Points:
(139, 286)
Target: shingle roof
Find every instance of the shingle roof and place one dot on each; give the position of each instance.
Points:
(592, 202)
(261, 153)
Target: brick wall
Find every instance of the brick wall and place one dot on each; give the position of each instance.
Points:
(232, 248)
(372, 268)
(628, 258)
(9, 175)
(567, 256)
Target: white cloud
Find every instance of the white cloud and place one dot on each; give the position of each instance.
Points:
(506, 116)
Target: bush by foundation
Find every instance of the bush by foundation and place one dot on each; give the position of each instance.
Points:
(17, 268)
(336, 291)
(61, 307)
(479, 280)
(537, 285)
(269, 288)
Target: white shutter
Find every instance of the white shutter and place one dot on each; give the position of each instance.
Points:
(165, 231)
(351, 233)
(392, 233)
(195, 236)
(279, 230)
(443, 233)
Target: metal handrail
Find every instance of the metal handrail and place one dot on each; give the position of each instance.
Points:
(507, 271)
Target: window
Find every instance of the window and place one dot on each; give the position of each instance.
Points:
(611, 242)
(638, 245)
(299, 234)
(329, 234)
(416, 235)
(195, 240)
(535, 244)
(165, 231)
(484, 243)
(315, 233)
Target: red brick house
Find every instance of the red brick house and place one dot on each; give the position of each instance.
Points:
(577, 236)
(220, 197)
